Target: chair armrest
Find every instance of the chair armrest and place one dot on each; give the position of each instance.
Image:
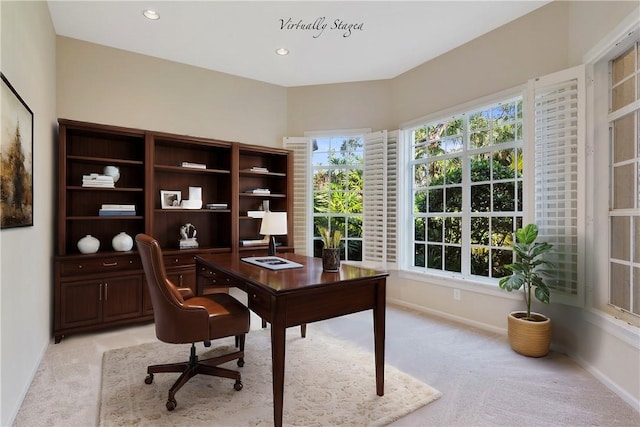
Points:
(186, 293)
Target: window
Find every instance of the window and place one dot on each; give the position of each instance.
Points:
(467, 190)
(336, 164)
(624, 213)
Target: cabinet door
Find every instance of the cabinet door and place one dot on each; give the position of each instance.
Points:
(122, 298)
(81, 303)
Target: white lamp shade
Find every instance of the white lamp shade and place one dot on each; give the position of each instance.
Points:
(274, 224)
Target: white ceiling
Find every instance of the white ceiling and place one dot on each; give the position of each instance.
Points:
(240, 37)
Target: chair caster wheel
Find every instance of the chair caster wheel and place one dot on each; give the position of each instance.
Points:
(171, 404)
(238, 385)
(149, 379)
(240, 363)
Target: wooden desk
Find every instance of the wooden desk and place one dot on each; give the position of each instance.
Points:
(297, 296)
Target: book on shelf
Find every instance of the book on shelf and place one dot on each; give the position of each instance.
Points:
(259, 191)
(264, 241)
(216, 206)
(259, 169)
(193, 165)
(113, 212)
(118, 207)
(255, 214)
(97, 180)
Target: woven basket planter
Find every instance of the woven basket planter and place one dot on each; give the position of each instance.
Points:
(529, 337)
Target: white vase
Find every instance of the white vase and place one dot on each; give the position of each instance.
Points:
(112, 171)
(122, 242)
(88, 244)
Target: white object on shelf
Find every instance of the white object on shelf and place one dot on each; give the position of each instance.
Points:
(255, 214)
(88, 244)
(122, 242)
(193, 165)
(191, 204)
(112, 171)
(195, 193)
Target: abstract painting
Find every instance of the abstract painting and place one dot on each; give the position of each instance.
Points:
(16, 159)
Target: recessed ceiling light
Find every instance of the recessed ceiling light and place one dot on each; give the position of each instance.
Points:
(151, 14)
(282, 51)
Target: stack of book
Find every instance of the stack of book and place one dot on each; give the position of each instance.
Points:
(217, 206)
(117, 210)
(193, 165)
(97, 180)
(259, 191)
(259, 169)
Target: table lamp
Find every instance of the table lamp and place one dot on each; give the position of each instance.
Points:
(273, 224)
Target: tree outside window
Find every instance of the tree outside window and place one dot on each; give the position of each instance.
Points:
(337, 192)
(467, 190)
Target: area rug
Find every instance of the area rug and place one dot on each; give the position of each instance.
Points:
(328, 382)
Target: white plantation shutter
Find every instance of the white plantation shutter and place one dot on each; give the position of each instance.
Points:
(374, 178)
(559, 177)
(380, 197)
(301, 148)
(392, 196)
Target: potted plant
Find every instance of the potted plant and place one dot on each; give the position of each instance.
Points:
(331, 249)
(529, 332)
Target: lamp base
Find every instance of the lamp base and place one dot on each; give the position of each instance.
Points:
(272, 246)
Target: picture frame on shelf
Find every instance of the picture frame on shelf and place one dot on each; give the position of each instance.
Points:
(170, 199)
(16, 154)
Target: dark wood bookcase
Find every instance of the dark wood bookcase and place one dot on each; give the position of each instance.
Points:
(107, 288)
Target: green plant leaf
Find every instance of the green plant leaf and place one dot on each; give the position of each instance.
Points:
(527, 235)
(542, 294)
(511, 283)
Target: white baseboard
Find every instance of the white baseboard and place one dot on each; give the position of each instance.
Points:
(448, 316)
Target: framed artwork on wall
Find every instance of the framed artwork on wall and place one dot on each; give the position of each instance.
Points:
(16, 159)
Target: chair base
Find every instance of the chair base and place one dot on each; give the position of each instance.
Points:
(194, 367)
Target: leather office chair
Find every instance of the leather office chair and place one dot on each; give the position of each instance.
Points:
(182, 318)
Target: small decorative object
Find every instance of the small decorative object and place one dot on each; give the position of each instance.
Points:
(16, 152)
(529, 333)
(195, 199)
(122, 242)
(170, 199)
(331, 250)
(88, 244)
(112, 171)
(188, 237)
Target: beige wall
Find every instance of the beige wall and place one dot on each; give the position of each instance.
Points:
(28, 61)
(339, 106)
(105, 85)
(533, 45)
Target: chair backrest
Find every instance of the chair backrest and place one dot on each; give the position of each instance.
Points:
(175, 322)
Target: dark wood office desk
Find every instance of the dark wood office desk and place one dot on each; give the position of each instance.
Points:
(298, 296)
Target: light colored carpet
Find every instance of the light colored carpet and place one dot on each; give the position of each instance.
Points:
(327, 382)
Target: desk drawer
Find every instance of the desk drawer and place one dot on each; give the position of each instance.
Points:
(179, 260)
(259, 302)
(100, 265)
(211, 277)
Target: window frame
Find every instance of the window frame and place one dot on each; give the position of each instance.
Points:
(405, 189)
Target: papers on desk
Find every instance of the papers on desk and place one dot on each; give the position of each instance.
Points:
(271, 262)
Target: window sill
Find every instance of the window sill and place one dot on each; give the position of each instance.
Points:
(452, 281)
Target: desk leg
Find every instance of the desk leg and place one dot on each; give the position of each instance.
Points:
(278, 332)
(378, 333)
